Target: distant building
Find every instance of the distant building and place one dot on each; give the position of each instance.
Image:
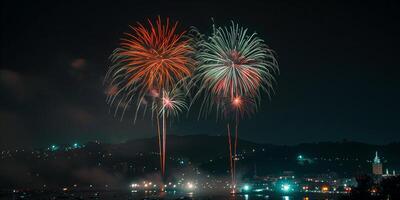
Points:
(387, 174)
(377, 166)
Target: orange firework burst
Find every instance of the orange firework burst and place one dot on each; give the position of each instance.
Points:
(153, 59)
(157, 56)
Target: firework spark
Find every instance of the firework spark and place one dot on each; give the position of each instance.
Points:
(172, 103)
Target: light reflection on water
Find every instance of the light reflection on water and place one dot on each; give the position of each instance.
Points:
(286, 198)
(193, 196)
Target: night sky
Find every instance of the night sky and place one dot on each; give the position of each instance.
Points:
(339, 67)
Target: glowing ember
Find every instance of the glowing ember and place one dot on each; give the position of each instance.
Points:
(237, 101)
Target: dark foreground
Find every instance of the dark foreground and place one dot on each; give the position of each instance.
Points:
(123, 195)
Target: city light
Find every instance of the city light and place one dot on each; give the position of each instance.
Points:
(189, 186)
(286, 187)
(284, 183)
(53, 148)
(246, 188)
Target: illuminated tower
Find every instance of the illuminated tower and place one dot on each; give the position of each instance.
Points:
(377, 166)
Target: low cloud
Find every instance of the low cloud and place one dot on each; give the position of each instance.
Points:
(80, 116)
(98, 176)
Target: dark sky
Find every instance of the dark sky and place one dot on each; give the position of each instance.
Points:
(339, 67)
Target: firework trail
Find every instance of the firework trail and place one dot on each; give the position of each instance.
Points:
(171, 105)
(145, 71)
(234, 68)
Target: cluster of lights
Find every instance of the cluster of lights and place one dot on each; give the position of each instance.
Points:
(190, 186)
(54, 147)
(283, 185)
(325, 188)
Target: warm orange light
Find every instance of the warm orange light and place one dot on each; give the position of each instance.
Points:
(237, 101)
(325, 188)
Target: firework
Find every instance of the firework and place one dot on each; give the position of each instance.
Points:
(234, 68)
(235, 63)
(172, 103)
(153, 57)
(145, 70)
